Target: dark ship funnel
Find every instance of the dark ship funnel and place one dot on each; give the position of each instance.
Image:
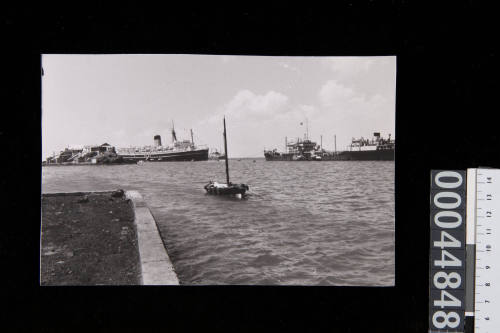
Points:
(157, 139)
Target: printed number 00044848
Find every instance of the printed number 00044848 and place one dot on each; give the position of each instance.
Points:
(446, 219)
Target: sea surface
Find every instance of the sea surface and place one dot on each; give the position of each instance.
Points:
(302, 223)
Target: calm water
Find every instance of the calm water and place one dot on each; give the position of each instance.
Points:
(303, 223)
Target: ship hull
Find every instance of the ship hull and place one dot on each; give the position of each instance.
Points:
(374, 155)
(278, 157)
(194, 155)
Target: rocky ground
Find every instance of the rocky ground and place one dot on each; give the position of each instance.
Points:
(89, 239)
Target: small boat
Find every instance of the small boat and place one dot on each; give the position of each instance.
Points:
(221, 189)
(227, 188)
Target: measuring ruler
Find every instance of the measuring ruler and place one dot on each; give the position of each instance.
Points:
(464, 293)
(483, 232)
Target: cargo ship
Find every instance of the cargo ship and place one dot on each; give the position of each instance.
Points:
(184, 150)
(298, 150)
(375, 149)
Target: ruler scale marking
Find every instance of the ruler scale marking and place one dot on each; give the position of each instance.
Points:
(487, 284)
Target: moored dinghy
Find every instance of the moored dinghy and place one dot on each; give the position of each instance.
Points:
(228, 188)
(218, 188)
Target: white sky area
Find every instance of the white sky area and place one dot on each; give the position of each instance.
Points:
(125, 100)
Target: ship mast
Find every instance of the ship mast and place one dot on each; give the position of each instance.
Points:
(174, 137)
(225, 152)
(192, 141)
(307, 129)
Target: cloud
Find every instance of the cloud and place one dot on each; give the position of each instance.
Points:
(333, 93)
(343, 99)
(265, 118)
(248, 105)
(296, 114)
(360, 113)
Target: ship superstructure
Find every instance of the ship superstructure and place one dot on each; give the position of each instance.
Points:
(179, 150)
(375, 149)
(297, 150)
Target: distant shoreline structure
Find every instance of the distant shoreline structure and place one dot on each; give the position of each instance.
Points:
(184, 150)
(375, 149)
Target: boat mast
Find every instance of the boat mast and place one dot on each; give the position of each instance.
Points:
(192, 141)
(335, 143)
(225, 153)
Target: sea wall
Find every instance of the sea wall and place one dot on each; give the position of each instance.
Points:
(157, 268)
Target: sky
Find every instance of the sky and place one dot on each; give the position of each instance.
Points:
(125, 100)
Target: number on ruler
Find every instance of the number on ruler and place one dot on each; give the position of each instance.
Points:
(453, 242)
(486, 282)
(454, 262)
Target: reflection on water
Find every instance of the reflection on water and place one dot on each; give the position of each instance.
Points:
(303, 223)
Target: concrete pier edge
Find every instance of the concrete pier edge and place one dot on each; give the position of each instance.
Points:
(156, 267)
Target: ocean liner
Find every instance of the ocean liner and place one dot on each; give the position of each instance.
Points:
(184, 150)
(375, 149)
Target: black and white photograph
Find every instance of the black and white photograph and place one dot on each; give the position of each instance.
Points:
(184, 169)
